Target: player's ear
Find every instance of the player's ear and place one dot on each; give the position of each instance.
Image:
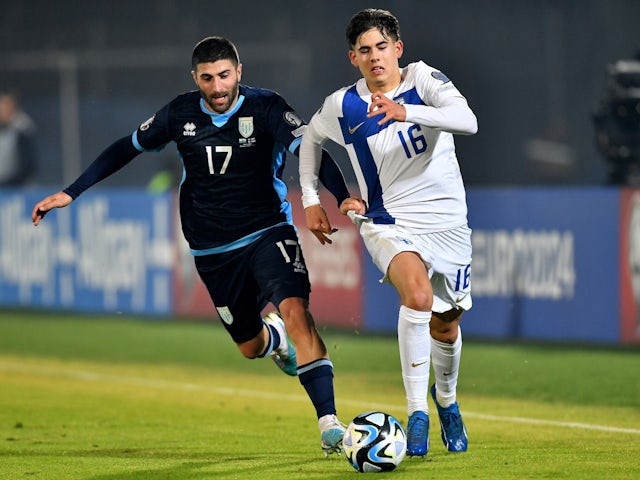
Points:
(399, 48)
(353, 59)
(193, 75)
(239, 72)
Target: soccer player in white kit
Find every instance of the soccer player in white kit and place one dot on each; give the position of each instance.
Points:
(397, 126)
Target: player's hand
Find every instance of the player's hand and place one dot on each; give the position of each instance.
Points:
(318, 223)
(354, 204)
(381, 105)
(57, 200)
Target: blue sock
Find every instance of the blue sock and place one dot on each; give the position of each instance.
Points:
(317, 379)
(274, 339)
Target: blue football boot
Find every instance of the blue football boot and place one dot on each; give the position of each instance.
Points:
(452, 429)
(418, 434)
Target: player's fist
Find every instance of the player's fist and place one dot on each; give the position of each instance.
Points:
(354, 204)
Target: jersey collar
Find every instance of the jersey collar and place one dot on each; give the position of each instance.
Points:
(219, 119)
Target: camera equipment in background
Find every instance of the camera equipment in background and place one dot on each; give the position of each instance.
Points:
(617, 122)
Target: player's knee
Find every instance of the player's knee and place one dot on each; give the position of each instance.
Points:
(254, 347)
(417, 300)
(445, 326)
(448, 335)
(248, 351)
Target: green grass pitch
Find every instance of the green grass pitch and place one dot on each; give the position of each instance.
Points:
(106, 398)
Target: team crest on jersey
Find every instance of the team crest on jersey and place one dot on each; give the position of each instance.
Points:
(147, 124)
(292, 118)
(245, 126)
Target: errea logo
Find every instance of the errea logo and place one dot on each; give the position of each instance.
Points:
(189, 129)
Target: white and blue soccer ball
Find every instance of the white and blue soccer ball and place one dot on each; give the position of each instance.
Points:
(374, 442)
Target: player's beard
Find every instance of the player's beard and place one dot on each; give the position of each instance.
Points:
(229, 96)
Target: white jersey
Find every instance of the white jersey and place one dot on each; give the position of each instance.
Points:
(407, 171)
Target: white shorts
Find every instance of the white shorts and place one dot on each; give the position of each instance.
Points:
(446, 254)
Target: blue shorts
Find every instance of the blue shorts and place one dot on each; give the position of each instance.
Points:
(242, 281)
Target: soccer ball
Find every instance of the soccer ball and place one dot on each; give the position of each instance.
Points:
(374, 442)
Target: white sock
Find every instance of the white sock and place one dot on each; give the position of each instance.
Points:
(414, 342)
(446, 363)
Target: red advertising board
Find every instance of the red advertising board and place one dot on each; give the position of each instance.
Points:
(629, 257)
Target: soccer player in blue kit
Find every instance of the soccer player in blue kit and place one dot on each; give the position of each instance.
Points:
(397, 125)
(232, 140)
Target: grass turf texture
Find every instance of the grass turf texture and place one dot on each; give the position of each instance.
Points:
(107, 398)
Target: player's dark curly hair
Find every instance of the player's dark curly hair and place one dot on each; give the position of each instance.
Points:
(212, 49)
(386, 23)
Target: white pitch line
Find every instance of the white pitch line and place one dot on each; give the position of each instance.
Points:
(553, 423)
(195, 387)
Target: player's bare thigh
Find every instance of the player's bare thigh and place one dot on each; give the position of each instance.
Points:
(408, 273)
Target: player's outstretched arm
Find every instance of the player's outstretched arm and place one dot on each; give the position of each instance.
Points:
(57, 200)
(331, 176)
(116, 156)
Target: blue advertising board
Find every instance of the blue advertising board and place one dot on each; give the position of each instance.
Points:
(110, 252)
(545, 266)
(546, 263)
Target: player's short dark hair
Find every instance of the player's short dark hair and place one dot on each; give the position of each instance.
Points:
(212, 49)
(386, 23)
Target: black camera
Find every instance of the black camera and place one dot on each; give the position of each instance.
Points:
(617, 122)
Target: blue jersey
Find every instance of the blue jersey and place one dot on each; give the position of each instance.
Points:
(231, 188)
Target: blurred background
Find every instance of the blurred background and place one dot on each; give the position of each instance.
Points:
(535, 72)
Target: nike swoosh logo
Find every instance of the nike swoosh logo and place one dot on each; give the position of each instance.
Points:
(459, 299)
(352, 130)
(418, 364)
